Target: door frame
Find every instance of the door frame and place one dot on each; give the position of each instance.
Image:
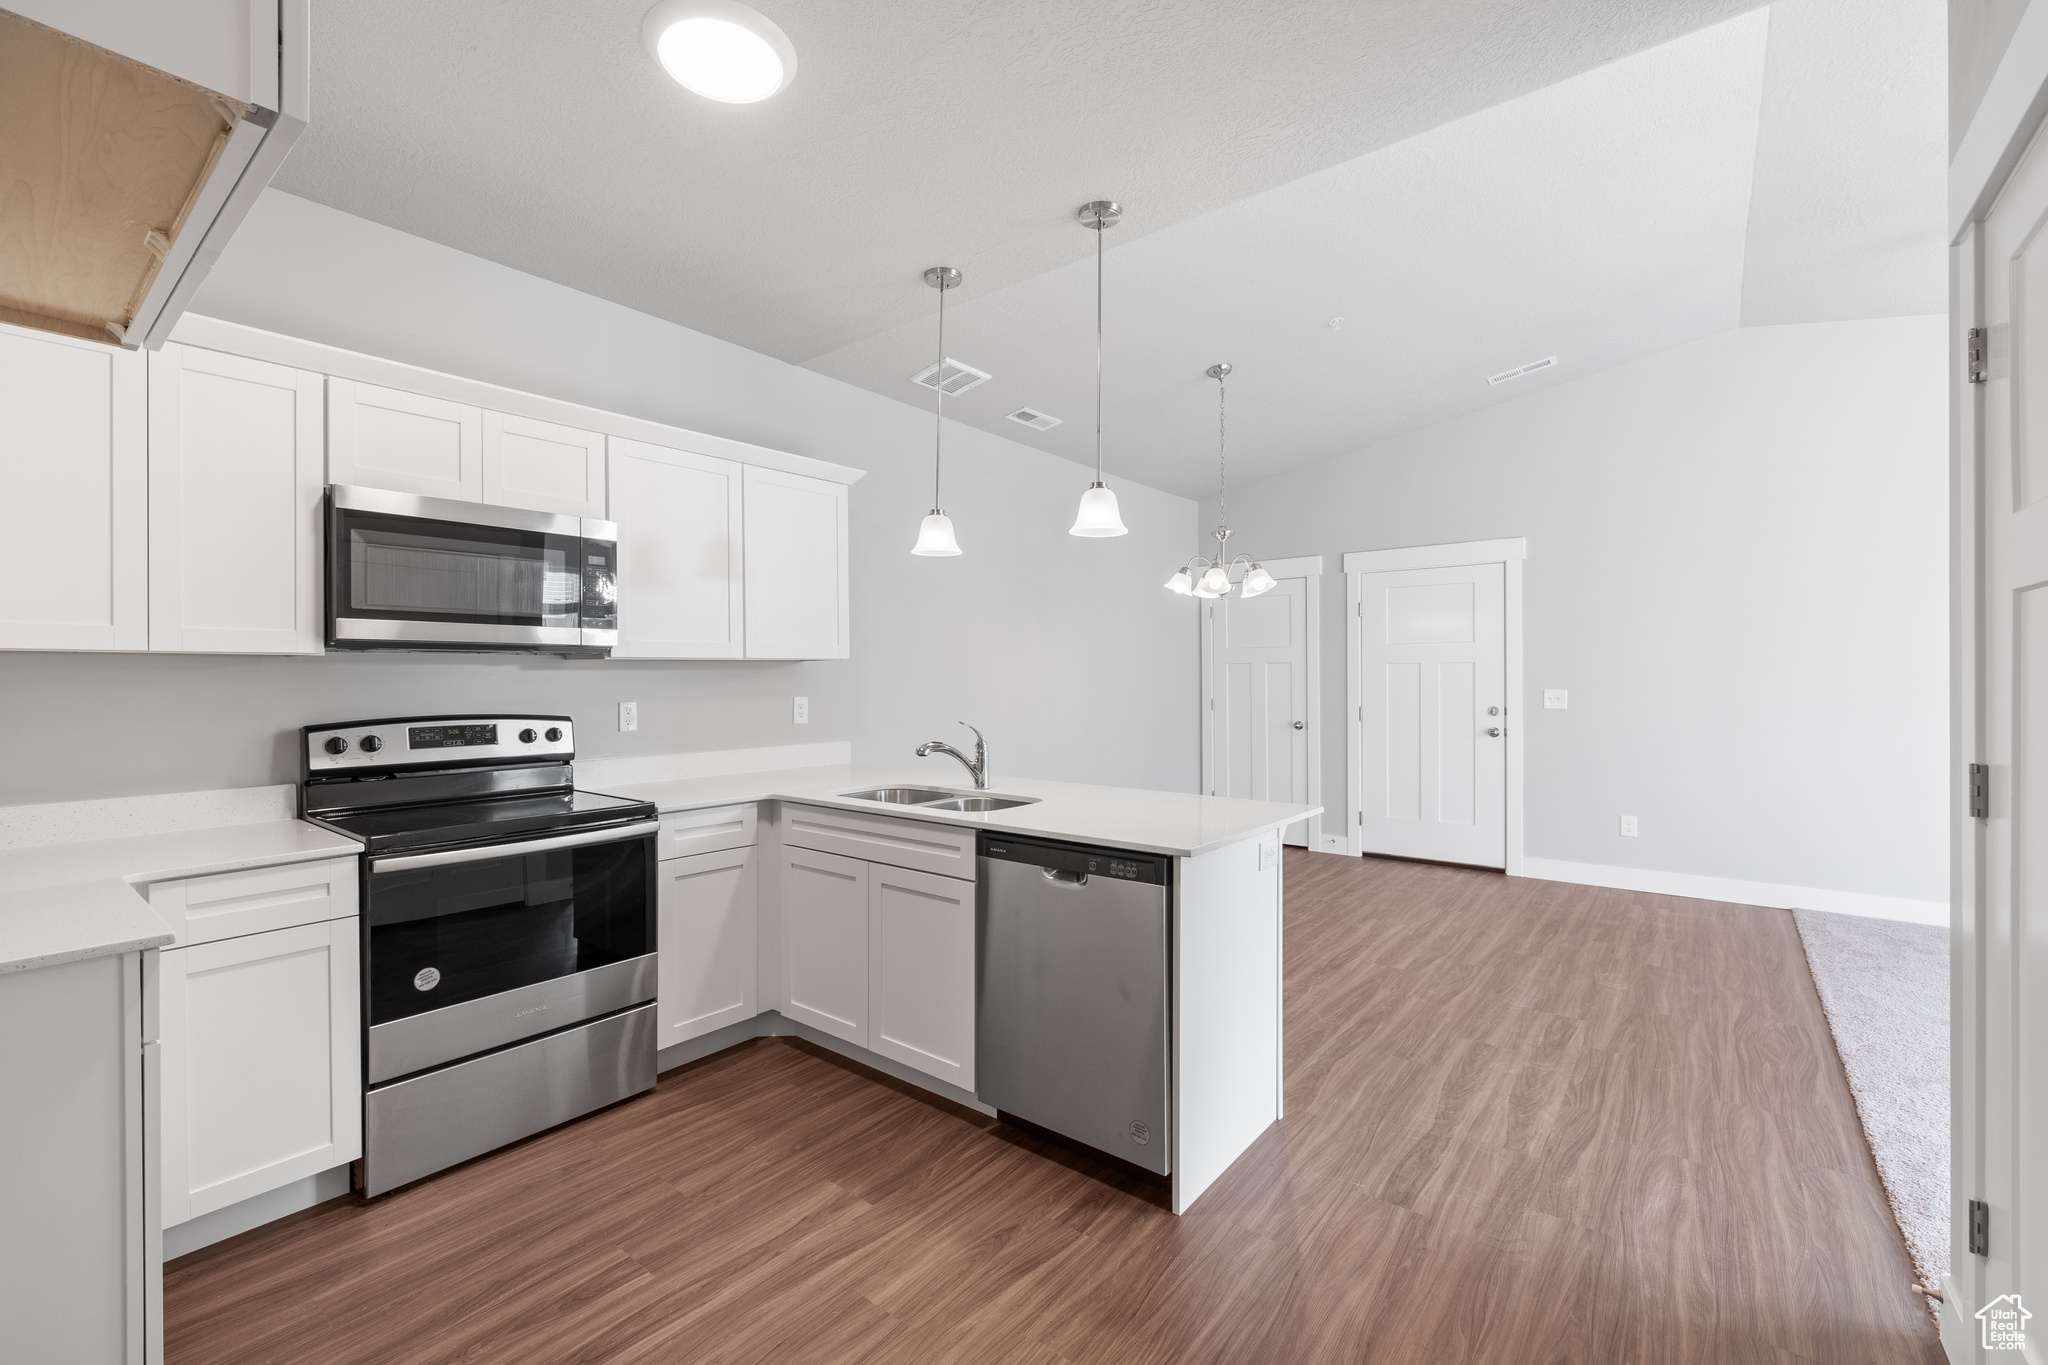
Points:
(1310, 568)
(1509, 553)
(2012, 112)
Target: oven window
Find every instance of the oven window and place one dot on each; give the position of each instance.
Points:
(407, 568)
(439, 936)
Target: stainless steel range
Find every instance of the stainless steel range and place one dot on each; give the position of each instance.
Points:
(508, 932)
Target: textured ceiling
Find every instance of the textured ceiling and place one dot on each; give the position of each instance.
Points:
(540, 134)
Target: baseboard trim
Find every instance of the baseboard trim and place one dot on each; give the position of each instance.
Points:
(182, 1239)
(775, 1024)
(1736, 891)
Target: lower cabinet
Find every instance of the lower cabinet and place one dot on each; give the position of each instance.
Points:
(706, 923)
(883, 957)
(260, 1063)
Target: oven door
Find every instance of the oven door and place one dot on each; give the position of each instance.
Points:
(470, 949)
(408, 572)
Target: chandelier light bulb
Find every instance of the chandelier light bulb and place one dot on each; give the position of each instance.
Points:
(1215, 583)
(1256, 581)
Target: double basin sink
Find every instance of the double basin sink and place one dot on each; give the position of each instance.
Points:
(933, 798)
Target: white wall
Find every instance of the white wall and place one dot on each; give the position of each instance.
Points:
(1737, 566)
(1060, 648)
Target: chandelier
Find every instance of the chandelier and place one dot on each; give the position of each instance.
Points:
(1205, 577)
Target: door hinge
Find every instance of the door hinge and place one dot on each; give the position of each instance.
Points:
(1979, 371)
(1980, 1228)
(1980, 791)
(1361, 817)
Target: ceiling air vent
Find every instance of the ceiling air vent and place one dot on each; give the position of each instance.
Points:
(1516, 373)
(1033, 418)
(957, 378)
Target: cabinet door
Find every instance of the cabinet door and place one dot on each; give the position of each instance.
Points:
(74, 479)
(406, 442)
(543, 467)
(261, 1063)
(680, 576)
(235, 477)
(825, 942)
(796, 567)
(706, 941)
(921, 971)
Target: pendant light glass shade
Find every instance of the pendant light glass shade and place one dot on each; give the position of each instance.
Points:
(1181, 583)
(1098, 515)
(935, 535)
(1215, 582)
(1256, 581)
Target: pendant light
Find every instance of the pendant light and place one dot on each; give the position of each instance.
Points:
(1098, 515)
(935, 534)
(1204, 577)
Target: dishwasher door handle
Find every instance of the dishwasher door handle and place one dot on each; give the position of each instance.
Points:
(1061, 877)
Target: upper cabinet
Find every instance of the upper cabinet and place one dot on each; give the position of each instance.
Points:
(406, 442)
(796, 566)
(74, 476)
(681, 586)
(234, 505)
(543, 467)
(132, 156)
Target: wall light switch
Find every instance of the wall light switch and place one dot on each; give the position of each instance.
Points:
(629, 715)
(803, 710)
(1269, 853)
(1628, 826)
(1556, 699)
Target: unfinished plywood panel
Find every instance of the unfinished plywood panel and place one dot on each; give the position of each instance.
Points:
(100, 165)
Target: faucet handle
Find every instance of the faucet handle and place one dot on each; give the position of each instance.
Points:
(978, 740)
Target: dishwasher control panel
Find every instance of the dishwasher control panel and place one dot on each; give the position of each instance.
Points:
(1078, 859)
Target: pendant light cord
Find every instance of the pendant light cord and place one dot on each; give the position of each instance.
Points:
(1221, 481)
(1099, 227)
(939, 407)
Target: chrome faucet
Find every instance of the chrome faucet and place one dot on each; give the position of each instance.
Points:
(978, 766)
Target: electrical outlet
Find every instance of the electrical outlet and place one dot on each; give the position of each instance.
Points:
(1269, 854)
(1628, 826)
(1556, 699)
(803, 710)
(629, 715)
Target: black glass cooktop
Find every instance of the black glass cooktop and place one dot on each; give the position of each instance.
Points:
(415, 828)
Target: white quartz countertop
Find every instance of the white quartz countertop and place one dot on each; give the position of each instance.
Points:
(65, 902)
(1180, 824)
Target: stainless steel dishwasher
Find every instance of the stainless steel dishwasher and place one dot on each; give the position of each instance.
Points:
(1071, 1013)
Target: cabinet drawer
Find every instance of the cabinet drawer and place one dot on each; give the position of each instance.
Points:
(941, 849)
(230, 904)
(707, 831)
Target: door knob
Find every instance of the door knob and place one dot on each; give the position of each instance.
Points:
(1301, 725)
(1493, 730)
(1493, 710)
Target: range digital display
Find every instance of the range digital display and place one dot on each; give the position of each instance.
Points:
(449, 736)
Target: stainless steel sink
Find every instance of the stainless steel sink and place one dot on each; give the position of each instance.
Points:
(979, 803)
(899, 796)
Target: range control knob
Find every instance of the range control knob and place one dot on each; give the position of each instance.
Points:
(554, 734)
(370, 743)
(527, 736)
(336, 745)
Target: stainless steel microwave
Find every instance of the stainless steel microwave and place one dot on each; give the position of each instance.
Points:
(407, 572)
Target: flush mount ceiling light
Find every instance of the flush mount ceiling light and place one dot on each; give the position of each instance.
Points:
(935, 533)
(1098, 515)
(720, 49)
(1203, 577)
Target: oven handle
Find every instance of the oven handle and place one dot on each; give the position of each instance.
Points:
(615, 834)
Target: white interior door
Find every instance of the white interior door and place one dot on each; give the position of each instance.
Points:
(1257, 711)
(1432, 696)
(2002, 1110)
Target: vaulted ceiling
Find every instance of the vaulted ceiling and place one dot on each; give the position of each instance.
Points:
(1469, 186)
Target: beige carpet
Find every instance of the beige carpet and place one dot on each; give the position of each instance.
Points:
(1884, 986)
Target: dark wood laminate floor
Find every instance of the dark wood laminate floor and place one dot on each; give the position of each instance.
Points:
(1527, 1122)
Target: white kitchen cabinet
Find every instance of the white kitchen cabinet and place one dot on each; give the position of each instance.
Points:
(681, 580)
(796, 567)
(921, 971)
(824, 903)
(260, 1063)
(235, 482)
(74, 478)
(406, 442)
(542, 466)
(706, 926)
